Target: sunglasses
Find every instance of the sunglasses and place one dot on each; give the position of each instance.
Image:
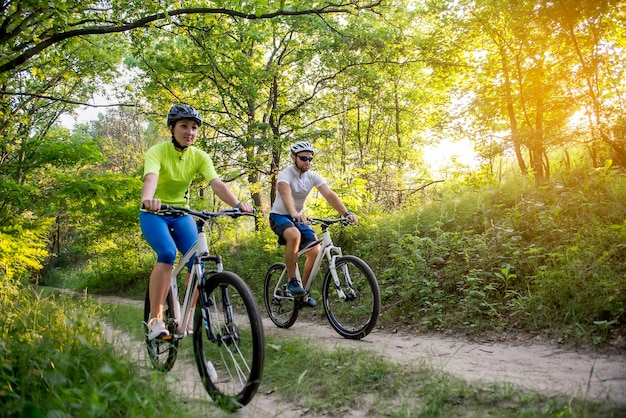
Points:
(305, 159)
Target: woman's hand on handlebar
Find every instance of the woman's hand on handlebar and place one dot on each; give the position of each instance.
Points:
(152, 204)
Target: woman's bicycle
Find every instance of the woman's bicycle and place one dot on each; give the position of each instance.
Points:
(350, 292)
(228, 338)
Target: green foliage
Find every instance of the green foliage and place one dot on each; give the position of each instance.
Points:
(54, 362)
(549, 259)
(49, 180)
(22, 245)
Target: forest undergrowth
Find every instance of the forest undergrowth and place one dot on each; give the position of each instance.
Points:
(474, 259)
(506, 260)
(514, 259)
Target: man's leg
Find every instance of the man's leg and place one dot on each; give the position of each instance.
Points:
(292, 237)
(308, 264)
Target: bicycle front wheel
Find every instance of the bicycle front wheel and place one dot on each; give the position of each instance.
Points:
(353, 306)
(228, 340)
(161, 352)
(281, 306)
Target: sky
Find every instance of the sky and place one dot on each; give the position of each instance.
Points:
(86, 113)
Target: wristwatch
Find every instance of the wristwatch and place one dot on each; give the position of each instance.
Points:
(345, 215)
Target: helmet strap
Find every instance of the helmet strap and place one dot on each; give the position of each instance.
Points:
(295, 164)
(177, 145)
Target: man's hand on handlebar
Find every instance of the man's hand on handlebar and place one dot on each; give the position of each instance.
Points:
(353, 218)
(245, 207)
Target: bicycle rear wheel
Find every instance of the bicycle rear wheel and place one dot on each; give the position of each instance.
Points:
(281, 306)
(354, 316)
(228, 340)
(162, 352)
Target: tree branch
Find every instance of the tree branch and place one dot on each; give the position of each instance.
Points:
(419, 189)
(145, 21)
(57, 99)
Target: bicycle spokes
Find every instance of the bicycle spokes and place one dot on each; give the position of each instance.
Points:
(229, 354)
(280, 304)
(353, 306)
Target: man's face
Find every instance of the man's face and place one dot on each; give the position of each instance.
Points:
(303, 160)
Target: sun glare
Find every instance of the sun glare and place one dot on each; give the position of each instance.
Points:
(578, 119)
(449, 156)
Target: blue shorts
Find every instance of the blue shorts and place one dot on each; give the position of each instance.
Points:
(279, 223)
(166, 233)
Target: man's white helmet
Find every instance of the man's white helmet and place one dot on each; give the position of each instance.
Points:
(302, 147)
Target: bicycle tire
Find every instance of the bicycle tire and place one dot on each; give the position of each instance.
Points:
(281, 306)
(230, 360)
(161, 352)
(356, 316)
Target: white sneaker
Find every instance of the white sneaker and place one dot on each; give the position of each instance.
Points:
(156, 329)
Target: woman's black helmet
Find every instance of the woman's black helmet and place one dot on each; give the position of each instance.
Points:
(178, 112)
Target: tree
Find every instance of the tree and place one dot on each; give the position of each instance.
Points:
(53, 57)
(264, 84)
(28, 29)
(596, 37)
(529, 59)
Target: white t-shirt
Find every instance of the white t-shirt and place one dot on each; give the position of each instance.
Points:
(301, 185)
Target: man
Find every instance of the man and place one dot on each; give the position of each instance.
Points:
(294, 184)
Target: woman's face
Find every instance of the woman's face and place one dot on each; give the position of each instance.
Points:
(185, 131)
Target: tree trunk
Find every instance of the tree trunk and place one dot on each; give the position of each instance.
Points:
(515, 135)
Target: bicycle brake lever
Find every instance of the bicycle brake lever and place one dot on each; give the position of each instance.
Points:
(236, 212)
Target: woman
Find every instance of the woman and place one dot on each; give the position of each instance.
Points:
(168, 171)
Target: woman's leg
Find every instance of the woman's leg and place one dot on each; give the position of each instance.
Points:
(157, 234)
(185, 234)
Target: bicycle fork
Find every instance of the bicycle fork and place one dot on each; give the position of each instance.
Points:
(227, 334)
(332, 267)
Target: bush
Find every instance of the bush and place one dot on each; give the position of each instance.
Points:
(54, 362)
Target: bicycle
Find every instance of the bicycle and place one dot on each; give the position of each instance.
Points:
(350, 291)
(228, 337)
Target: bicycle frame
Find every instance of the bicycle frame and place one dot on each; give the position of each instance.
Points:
(328, 251)
(200, 252)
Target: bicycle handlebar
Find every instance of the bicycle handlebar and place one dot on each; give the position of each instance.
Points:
(327, 222)
(203, 214)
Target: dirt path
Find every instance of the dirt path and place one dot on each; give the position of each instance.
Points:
(539, 367)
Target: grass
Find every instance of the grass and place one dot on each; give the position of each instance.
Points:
(342, 380)
(55, 363)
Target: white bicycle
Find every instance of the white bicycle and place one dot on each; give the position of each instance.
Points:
(350, 292)
(228, 338)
